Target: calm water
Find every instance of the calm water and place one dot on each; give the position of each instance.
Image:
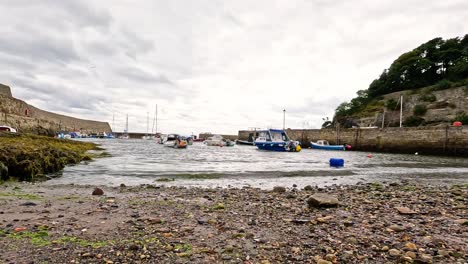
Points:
(136, 162)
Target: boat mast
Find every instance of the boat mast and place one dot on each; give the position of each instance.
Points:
(156, 130)
(284, 119)
(126, 126)
(147, 123)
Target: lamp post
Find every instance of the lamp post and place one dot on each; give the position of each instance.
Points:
(284, 119)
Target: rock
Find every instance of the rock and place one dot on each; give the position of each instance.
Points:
(308, 188)
(122, 185)
(394, 252)
(397, 228)
(28, 204)
(330, 257)
(133, 247)
(444, 253)
(385, 248)
(279, 189)
(411, 255)
(98, 191)
(322, 261)
(325, 219)
(322, 200)
(405, 211)
(425, 258)
(462, 221)
(411, 246)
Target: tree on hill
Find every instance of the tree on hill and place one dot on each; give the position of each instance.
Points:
(432, 62)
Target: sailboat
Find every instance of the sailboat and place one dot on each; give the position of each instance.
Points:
(125, 134)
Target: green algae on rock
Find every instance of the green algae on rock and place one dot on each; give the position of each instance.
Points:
(27, 157)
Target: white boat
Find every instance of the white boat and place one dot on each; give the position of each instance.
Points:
(218, 140)
(175, 141)
(7, 129)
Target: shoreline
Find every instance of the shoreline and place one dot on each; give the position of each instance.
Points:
(154, 224)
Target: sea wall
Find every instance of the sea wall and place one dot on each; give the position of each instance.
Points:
(27, 118)
(207, 135)
(445, 140)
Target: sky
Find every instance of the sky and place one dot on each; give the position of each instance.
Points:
(209, 65)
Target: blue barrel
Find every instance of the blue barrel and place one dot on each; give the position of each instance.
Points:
(336, 162)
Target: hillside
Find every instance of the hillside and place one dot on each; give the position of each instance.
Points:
(27, 118)
(433, 79)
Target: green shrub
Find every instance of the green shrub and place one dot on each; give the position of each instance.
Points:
(391, 104)
(462, 117)
(443, 84)
(419, 110)
(413, 121)
(428, 98)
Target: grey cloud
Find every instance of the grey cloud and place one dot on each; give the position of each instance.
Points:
(143, 76)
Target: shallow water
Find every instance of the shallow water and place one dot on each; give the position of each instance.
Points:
(135, 162)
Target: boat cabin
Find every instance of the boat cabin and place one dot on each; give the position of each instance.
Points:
(272, 135)
(322, 143)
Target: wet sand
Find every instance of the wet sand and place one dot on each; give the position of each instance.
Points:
(374, 223)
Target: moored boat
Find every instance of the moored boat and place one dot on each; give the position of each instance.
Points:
(245, 142)
(323, 144)
(175, 141)
(276, 140)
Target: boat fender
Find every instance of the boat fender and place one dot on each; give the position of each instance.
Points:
(335, 162)
(298, 148)
(369, 155)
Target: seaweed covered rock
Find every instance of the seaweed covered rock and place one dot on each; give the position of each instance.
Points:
(28, 156)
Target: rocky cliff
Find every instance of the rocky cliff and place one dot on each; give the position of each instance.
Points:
(27, 118)
(426, 106)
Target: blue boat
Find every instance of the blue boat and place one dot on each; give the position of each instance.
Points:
(276, 140)
(323, 144)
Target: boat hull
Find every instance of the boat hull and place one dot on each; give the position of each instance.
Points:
(329, 147)
(271, 146)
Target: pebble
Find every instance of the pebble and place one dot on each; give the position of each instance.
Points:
(394, 252)
(411, 246)
(322, 261)
(405, 211)
(279, 189)
(397, 228)
(425, 258)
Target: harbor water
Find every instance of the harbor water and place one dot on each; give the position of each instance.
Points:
(135, 162)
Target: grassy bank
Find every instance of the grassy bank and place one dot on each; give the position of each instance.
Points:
(28, 157)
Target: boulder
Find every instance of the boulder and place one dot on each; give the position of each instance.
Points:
(322, 200)
(98, 191)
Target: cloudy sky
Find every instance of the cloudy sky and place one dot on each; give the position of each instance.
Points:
(209, 65)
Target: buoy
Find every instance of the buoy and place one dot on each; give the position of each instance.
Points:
(369, 155)
(457, 124)
(416, 153)
(334, 162)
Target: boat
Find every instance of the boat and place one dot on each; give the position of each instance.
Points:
(245, 142)
(276, 140)
(218, 140)
(7, 129)
(323, 144)
(175, 141)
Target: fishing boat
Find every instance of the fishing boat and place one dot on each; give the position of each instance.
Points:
(276, 140)
(245, 142)
(216, 140)
(175, 141)
(323, 144)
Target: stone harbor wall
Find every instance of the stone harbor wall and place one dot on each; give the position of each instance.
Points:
(207, 135)
(27, 118)
(446, 140)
